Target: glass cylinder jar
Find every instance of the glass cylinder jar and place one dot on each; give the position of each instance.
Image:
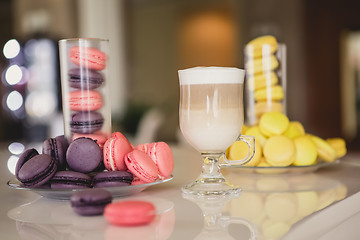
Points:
(265, 84)
(85, 85)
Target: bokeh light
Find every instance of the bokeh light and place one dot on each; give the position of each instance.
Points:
(16, 148)
(11, 49)
(35, 106)
(11, 164)
(14, 100)
(13, 74)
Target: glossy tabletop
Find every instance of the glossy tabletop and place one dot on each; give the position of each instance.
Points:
(316, 205)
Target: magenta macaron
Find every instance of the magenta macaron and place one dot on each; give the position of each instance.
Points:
(141, 165)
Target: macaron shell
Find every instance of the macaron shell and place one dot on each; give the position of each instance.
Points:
(37, 171)
(84, 155)
(70, 180)
(90, 202)
(114, 152)
(112, 179)
(88, 57)
(279, 151)
(254, 48)
(273, 123)
(276, 93)
(324, 149)
(86, 122)
(141, 165)
(85, 78)
(85, 100)
(130, 213)
(99, 138)
(161, 154)
(24, 157)
(306, 151)
(54, 148)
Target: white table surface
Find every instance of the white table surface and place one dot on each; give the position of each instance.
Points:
(320, 205)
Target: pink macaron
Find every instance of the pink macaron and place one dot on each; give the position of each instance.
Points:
(88, 57)
(115, 149)
(141, 165)
(85, 100)
(130, 213)
(162, 156)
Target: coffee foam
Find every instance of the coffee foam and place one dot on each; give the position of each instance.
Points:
(211, 75)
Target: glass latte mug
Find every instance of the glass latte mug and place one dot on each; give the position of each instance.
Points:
(211, 117)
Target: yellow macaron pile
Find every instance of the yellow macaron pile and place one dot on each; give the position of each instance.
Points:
(280, 142)
(263, 83)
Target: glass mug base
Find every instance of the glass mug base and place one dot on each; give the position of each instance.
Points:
(211, 186)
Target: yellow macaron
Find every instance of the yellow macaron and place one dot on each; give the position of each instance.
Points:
(239, 149)
(273, 123)
(261, 65)
(339, 145)
(243, 129)
(279, 151)
(325, 151)
(306, 151)
(262, 107)
(260, 46)
(275, 93)
(262, 80)
(255, 131)
(294, 130)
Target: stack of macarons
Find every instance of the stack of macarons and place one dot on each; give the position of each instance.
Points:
(264, 82)
(82, 162)
(281, 143)
(85, 100)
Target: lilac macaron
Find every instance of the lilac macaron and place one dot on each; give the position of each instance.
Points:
(90, 202)
(37, 170)
(85, 78)
(86, 122)
(84, 155)
(55, 149)
(70, 180)
(112, 179)
(24, 157)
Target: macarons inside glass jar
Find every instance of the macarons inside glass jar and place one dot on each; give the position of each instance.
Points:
(84, 64)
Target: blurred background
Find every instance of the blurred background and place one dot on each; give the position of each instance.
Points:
(151, 39)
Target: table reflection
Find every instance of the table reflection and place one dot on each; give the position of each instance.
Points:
(273, 203)
(49, 219)
(216, 224)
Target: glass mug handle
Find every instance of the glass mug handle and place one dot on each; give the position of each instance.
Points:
(226, 221)
(250, 141)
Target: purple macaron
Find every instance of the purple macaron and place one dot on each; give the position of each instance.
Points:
(90, 202)
(55, 149)
(84, 155)
(85, 78)
(70, 180)
(86, 122)
(37, 170)
(24, 157)
(112, 179)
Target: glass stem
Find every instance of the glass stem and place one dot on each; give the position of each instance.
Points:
(211, 168)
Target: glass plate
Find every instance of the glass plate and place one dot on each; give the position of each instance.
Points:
(66, 194)
(278, 170)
